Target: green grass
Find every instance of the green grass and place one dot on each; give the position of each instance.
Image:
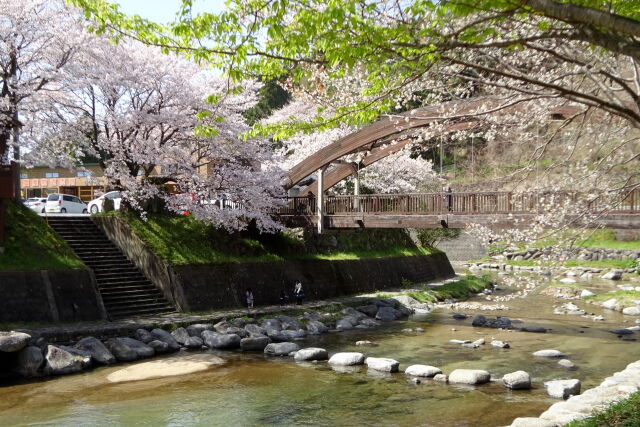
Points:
(184, 240)
(607, 263)
(626, 298)
(459, 289)
(31, 245)
(621, 414)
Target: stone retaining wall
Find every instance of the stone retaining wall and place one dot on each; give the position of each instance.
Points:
(206, 287)
(49, 296)
(465, 247)
(580, 254)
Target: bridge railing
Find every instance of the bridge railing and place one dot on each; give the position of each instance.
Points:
(457, 203)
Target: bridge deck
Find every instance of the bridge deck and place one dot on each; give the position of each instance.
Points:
(457, 210)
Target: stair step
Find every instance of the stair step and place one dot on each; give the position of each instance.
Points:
(134, 303)
(150, 294)
(116, 314)
(124, 290)
(120, 280)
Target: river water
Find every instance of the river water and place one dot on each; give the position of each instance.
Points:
(252, 390)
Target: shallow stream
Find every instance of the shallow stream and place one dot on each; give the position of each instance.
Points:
(252, 390)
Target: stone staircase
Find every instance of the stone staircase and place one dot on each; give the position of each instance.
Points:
(125, 291)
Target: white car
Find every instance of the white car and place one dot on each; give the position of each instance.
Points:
(65, 203)
(97, 205)
(36, 204)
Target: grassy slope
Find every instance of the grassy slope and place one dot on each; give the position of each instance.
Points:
(184, 240)
(626, 298)
(621, 414)
(459, 289)
(32, 245)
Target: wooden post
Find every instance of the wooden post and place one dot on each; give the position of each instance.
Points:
(320, 200)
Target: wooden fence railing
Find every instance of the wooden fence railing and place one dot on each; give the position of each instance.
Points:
(458, 203)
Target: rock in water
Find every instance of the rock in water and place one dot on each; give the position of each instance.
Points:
(253, 329)
(534, 328)
(162, 335)
(500, 344)
(469, 376)
(99, 352)
(612, 275)
(586, 293)
(631, 311)
(13, 341)
(370, 309)
(459, 316)
(59, 362)
(621, 331)
(280, 349)
(386, 314)
(165, 368)
(566, 363)
(365, 343)
(144, 336)
(382, 364)
(548, 353)
(347, 359)
(422, 371)
(197, 329)
(562, 389)
(311, 353)
(216, 340)
(254, 343)
(121, 350)
(519, 380)
(141, 349)
(159, 346)
(532, 422)
(610, 304)
(441, 378)
(315, 327)
(181, 335)
(194, 342)
(29, 361)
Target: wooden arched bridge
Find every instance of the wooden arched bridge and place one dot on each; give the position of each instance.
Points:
(347, 156)
(458, 210)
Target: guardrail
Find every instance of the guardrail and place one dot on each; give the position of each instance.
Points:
(458, 203)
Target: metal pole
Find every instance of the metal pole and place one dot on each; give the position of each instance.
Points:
(320, 200)
(473, 161)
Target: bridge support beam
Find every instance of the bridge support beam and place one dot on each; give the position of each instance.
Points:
(356, 186)
(320, 200)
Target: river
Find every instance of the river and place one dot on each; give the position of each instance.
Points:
(253, 390)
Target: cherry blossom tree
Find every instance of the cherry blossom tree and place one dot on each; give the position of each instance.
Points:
(145, 116)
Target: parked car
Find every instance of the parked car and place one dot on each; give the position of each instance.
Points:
(97, 205)
(36, 204)
(65, 203)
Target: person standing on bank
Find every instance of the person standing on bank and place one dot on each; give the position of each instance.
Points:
(449, 198)
(249, 295)
(299, 293)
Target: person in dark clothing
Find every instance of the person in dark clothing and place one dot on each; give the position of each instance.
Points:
(299, 293)
(283, 298)
(448, 198)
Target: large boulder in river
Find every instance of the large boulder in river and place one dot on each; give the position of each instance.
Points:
(311, 353)
(289, 323)
(484, 322)
(143, 335)
(548, 353)
(99, 352)
(181, 335)
(315, 327)
(280, 349)
(562, 389)
(121, 350)
(271, 326)
(382, 364)
(612, 275)
(284, 336)
(469, 376)
(159, 347)
(347, 359)
(87, 360)
(519, 380)
(369, 309)
(227, 328)
(254, 342)
(422, 371)
(387, 314)
(194, 342)
(217, 340)
(29, 361)
(162, 335)
(253, 329)
(369, 322)
(13, 341)
(141, 349)
(197, 329)
(346, 323)
(59, 362)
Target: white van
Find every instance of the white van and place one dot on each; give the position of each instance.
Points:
(65, 203)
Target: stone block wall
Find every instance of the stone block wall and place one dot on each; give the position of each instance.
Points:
(49, 295)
